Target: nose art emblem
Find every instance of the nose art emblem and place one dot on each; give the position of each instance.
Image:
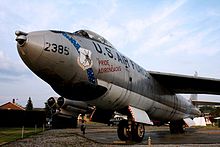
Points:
(84, 60)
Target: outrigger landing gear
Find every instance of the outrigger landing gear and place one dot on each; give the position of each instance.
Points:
(130, 131)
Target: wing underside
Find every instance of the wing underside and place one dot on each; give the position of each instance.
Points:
(187, 84)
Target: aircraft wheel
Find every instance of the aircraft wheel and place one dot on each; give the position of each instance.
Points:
(123, 131)
(138, 132)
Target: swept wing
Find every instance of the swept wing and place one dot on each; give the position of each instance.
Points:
(187, 84)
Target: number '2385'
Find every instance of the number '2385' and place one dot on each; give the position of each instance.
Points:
(56, 48)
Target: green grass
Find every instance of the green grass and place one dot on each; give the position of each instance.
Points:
(12, 134)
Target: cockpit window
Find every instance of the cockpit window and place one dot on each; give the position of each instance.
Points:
(94, 36)
(82, 33)
(55, 31)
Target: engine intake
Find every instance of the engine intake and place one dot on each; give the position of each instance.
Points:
(52, 102)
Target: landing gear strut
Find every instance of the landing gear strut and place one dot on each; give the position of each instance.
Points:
(130, 131)
(176, 127)
(60, 122)
(83, 125)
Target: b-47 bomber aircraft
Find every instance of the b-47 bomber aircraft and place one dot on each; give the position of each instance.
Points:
(87, 71)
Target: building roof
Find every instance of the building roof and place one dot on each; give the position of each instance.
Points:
(11, 106)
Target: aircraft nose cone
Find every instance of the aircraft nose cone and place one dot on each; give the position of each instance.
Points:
(30, 46)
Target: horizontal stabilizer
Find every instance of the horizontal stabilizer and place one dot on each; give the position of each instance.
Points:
(140, 115)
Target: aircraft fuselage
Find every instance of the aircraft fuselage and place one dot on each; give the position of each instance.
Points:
(85, 69)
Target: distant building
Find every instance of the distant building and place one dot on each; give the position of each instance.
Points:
(11, 106)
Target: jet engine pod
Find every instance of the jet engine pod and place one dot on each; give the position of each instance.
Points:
(63, 102)
(52, 102)
(60, 101)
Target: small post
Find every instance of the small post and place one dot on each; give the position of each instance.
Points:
(43, 127)
(35, 129)
(149, 141)
(22, 132)
(83, 125)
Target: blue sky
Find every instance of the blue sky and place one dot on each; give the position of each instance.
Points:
(177, 36)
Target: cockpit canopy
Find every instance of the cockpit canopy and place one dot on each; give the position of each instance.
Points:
(94, 36)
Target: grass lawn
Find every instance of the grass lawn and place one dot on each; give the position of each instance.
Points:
(12, 134)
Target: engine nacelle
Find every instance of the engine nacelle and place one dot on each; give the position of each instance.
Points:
(65, 113)
(52, 102)
(64, 119)
(63, 102)
(68, 107)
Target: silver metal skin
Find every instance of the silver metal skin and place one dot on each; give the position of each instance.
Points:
(116, 81)
(67, 107)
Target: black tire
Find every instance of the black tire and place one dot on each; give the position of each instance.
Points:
(123, 135)
(138, 132)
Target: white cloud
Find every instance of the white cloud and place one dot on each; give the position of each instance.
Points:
(213, 12)
(197, 42)
(165, 33)
(162, 31)
(10, 70)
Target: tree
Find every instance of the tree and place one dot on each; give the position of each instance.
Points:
(207, 109)
(29, 105)
(216, 112)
